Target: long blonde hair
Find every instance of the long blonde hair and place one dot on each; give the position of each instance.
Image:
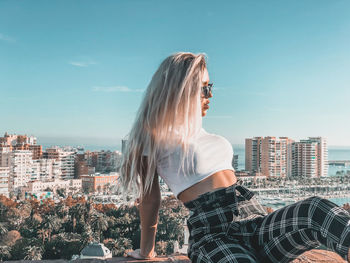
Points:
(170, 113)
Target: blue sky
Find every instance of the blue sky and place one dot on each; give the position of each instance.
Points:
(75, 71)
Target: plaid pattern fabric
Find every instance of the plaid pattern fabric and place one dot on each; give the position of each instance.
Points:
(229, 225)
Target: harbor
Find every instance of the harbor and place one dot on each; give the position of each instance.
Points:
(280, 192)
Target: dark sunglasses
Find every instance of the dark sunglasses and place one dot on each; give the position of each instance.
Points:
(206, 90)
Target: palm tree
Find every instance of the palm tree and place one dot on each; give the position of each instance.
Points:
(51, 224)
(99, 223)
(77, 212)
(5, 252)
(61, 210)
(3, 229)
(42, 234)
(87, 235)
(33, 253)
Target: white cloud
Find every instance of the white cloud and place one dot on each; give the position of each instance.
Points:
(82, 63)
(6, 38)
(116, 89)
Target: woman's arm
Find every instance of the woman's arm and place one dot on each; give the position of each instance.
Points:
(149, 208)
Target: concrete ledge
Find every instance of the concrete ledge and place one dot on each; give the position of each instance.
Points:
(175, 259)
(315, 255)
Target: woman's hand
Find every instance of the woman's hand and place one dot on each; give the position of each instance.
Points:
(137, 254)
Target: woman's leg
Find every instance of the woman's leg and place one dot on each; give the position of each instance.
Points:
(286, 233)
(223, 250)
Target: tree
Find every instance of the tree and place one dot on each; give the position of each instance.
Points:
(5, 253)
(33, 252)
(76, 213)
(51, 224)
(172, 216)
(87, 235)
(3, 228)
(61, 192)
(42, 234)
(99, 223)
(118, 246)
(21, 248)
(10, 238)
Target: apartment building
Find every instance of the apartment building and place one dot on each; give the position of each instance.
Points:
(282, 157)
(4, 181)
(46, 169)
(98, 182)
(235, 162)
(253, 154)
(21, 142)
(20, 163)
(269, 156)
(5, 152)
(36, 187)
(310, 157)
(65, 157)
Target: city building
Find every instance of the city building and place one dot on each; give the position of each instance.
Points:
(66, 157)
(81, 166)
(269, 156)
(46, 169)
(38, 187)
(20, 164)
(4, 181)
(235, 162)
(253, 154)
(108, 161)
(5, 153)
(124, 144)
(35, 149)
(98, 182)
(248, 178)
(310, 157)
(21, 142)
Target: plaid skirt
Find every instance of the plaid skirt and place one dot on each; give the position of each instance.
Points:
(230, 225)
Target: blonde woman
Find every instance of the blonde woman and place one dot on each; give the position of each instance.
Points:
(226, 222)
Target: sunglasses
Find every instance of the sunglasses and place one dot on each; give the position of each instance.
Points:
(206, 90)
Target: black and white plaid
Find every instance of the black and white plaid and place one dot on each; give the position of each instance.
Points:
(229, 225)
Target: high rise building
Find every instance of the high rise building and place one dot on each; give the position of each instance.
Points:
(46, 169)
(269, 156)
(21, 142)
(124, 144)
(235, 162)
(66, 158)
(81, 165)
(20, 169)
(4, 181)
(253, 154)
(310, 157)
(5, 153)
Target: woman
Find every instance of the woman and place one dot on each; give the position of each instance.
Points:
(227, 224)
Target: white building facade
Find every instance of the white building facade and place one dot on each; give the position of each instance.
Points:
(4, 181)
(20, 169)
(310, 158)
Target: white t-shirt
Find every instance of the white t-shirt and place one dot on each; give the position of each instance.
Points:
(208, 154)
